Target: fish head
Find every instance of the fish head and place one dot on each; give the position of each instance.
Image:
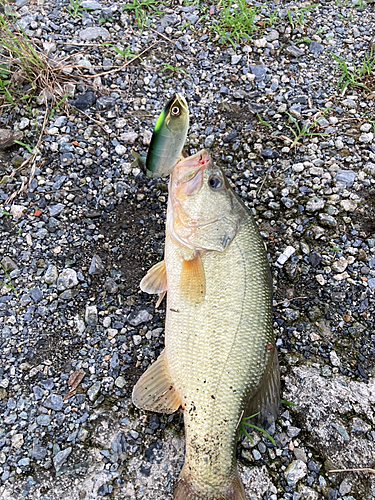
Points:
(204, 213)
(175, 115)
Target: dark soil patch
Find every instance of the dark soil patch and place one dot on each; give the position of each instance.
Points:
(365, 217)
(138, 236)
(236, 113)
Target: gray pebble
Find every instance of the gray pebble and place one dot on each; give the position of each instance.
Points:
(93, 391)
(96, 266)
(91, 316)
(56, 209)
(92, 33)
(316, 48)
(295, 471)
(8, 264)
(38, 452)
(36, 294)
(51, 274)
(67, 279)
(43, 420)
(141, 317)
(209, 141)
(61, 457)
(346, 177)
(111, 286)
(54, 401)
(38, 392)
(91, 5)
(259, 71)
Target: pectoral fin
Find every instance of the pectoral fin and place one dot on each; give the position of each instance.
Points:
(265, 399)
(193, 280)
(155, 280)
(155, 391)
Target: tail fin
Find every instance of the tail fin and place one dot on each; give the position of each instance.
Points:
(186, 489)
(140, 161)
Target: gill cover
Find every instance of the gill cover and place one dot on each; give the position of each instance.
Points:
(205, 215)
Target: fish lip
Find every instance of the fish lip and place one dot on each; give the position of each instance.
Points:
(182, 101)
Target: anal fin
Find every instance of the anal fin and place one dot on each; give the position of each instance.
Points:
(265, 399)
(193, 279)
(155, 391)
(155, 280)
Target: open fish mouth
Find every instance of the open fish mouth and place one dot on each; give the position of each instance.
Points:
(182, 101)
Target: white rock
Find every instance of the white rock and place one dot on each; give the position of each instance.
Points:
(120, 123)
(137, 339)
(335, 360)
(341, 276)
(107, 322)
(17, 440)
(320, 279)
(348, 205)
(288, 252)
(129, 137)
(17, 210)
(112, 332)
(24, 123)
(120, 149)
(146, 138)
(315, 204)
(366, 137)
(49, 47)
(366, 127)
(295, 471)
(298, 167)
(260, 43)
(340, 265)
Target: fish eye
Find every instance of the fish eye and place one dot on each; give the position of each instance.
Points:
(175, 111)
(215, 182)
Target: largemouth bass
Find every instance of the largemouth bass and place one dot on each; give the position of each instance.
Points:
(168, 138)
(220, 361)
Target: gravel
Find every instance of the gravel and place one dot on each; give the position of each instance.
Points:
(76, 332)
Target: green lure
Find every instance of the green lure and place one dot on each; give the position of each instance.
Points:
(168, 139)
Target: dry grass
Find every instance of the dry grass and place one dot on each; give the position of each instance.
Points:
(365, 469)
(28, 70)
(25, 69)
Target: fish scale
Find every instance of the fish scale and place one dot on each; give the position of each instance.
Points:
(220, 361)
(214, 348)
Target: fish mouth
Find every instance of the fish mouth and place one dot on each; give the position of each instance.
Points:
(182, 101)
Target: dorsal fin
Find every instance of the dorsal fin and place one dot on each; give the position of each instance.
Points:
(265, 400)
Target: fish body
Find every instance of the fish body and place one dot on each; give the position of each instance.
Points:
(168, 138)
(220, 360)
